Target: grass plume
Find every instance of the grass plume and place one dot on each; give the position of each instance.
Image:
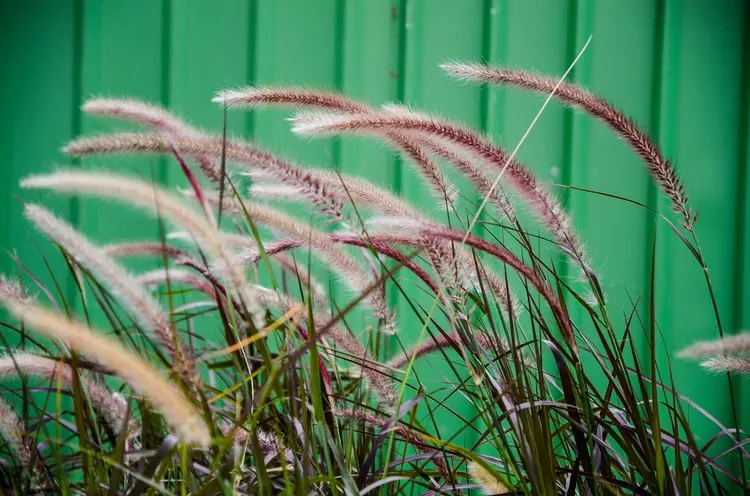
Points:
(531, 389)
(142, 306)
(142, 377)
(658, 166)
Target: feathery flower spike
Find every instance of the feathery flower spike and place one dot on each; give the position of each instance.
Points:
(167, 399)
(214, 147)
(14, 433)
(110, 405)
(658, 166)
(488, 482)
(547, 208)
(152, 116)
(739, 343)
(159, 202)
(143, 307)
(254, 96)
(730, 364)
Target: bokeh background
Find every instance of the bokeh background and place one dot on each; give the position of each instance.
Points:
(679, 67)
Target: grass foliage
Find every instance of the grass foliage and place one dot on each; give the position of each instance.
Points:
(231, 368)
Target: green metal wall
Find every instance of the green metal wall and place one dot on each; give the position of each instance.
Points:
(678, 67)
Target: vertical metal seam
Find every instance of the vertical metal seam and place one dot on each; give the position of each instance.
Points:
(338, 69)
(486, 107)
(252, 61)
(568, 125)
(743, 155)
(74, 205)
(403, 43)
(568, 116)
(665, 135)
(166, 76)
(77, 118)
(739, 258)
(655, 123)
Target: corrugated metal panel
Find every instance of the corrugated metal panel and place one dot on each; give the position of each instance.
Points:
(678, 67)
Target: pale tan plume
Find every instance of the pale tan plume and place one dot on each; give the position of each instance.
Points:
(110, 405)
(143, 248)
(185, 419)
(14, 433)
(142, 306)
(739, 343)
(489, 483)
(158, 202)
(730, 364)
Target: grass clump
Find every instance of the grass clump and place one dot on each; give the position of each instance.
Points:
(286, 389)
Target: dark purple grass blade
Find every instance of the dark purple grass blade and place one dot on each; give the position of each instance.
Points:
(194, 184)
(167, 447)
(223, 164)
(364, 468)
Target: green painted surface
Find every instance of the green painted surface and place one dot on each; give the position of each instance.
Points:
(678, 67)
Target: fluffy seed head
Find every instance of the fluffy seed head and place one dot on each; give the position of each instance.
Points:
(109, 404)
(143, 307)
(14, 433)
(489, 483)
(739, 343)
(303, 98)
(730, 364)
(137, 111)
(252, 96)
(156, 201)
(236, 151)
(13, 286)
(178, 412)
(547, 208)
(658, 166)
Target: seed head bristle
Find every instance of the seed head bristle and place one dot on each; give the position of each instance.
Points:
(728, 345)
(253, 96)
(488, 482)
(207, 146)
(547, 208)
(727, 364)
(304, 98)
(157, 202)
(13, 431)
